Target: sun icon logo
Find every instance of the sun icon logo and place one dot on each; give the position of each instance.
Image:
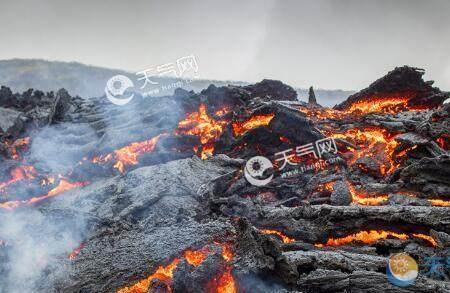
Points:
(402, 269)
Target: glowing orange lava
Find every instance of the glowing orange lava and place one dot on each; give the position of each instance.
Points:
(76, 251)
(427, 238)
(240, 128)
(391, 104)
(18, 174)
(129, 154)
(163, 273)
(372, 236)
(373, 142)
(439, 202)
(444, 141)
(15, 145)
(63, 186)
(224, 283)
(327, 186)
(283, 237)
(363, 198)
(318, 113)
(202, 125)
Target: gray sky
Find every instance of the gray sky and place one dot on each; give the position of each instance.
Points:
(328, 43)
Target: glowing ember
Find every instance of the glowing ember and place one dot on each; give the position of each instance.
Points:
(325, 187)
(439, 202)
(223, 111)
(227, 252)
(373, 142)
(240, 128)
(388, 104)
(129, 154)
(76, 251)
(391, 104)
(366, 237)
(195, 258)
(362, 198)
(63, 186)
(444, 141)
(163, 273)
(318, 113)
(427, 238)
(15, 145)
(224, 283)
(18, 174)
(283, 237)
(207, 151)
(201, 125)
(372, 236)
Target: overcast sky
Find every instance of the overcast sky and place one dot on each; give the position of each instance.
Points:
(330, 44)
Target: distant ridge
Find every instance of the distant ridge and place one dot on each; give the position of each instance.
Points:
(89, 81)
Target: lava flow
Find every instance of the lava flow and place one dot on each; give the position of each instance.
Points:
(387, 104)
(223, 283)
(372, 236)
(283, 237)
(63, 186)
(129, 154)
(18, 174)
(76, 251)
(13, 147)
(376, 143)
(240, 128)
(362, 198)
(202, 125)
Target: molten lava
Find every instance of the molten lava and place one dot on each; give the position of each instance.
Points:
(129, 154)
(383, 104)
(222, 284)
(372, 236)
(13, 147)
(389, 104)
(439, 202)
(362, 198)
(63, 186)
(240, 128)
(202, 125)
(283, 237)
(319, 113)
(444, 141)
(373, 142)
(76, 251)
(162, 273)
(18, 174)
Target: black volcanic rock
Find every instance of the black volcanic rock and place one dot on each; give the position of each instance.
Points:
(401, 80)
(312, 97)
(272, 89)
(11, 122)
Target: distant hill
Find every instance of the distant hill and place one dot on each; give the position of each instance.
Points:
(89, 81)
